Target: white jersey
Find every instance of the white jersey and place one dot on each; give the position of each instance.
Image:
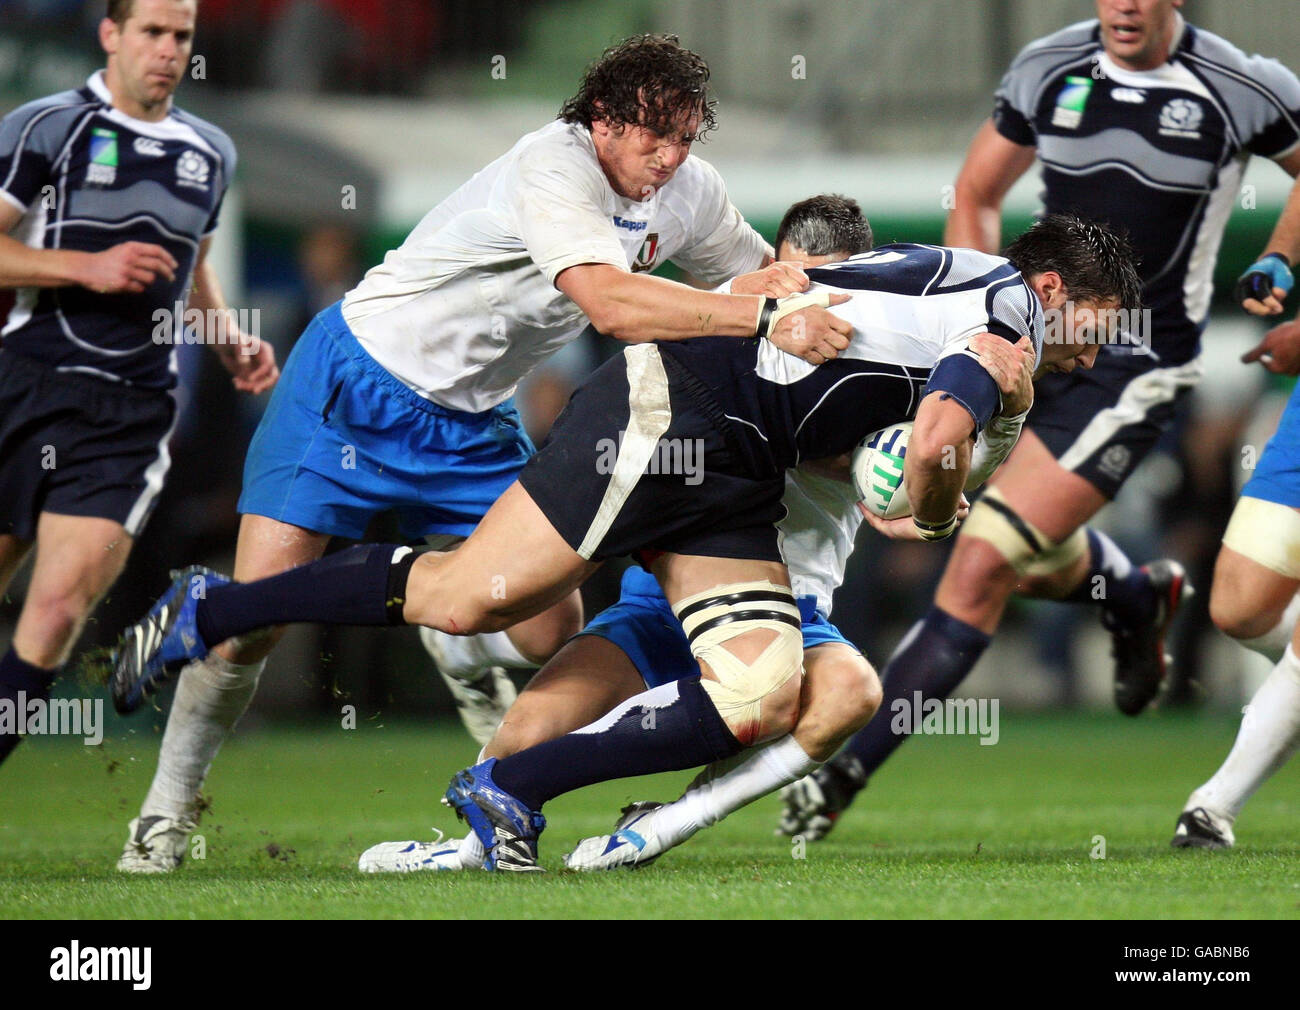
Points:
(816, 536)
(467, 306)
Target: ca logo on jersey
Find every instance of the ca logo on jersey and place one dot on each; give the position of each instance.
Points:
(149, 147)
(1181, 117)
(645, 259)
(193, 170)
(1135, 96)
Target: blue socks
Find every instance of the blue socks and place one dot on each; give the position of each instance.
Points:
(668, 728)
(933, 658)
(20, 677)
(1115, 583)
(363, 585)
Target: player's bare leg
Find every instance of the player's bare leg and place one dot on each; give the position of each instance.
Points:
(211, 694)
(77, 559)
(1253, 603)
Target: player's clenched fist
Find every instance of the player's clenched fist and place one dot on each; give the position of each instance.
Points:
(774, 281)
(128, 268)
(802, 326)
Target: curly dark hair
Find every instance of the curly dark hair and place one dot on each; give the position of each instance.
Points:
(1096, 262)
(646, 80)
(826, 224)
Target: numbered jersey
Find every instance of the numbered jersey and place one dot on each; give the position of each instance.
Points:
(86, 176)
(467, 305)
(1159, 153)
(911, 307)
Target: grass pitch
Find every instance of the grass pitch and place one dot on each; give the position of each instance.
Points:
(950, 829)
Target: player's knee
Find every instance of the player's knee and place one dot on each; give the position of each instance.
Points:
(747, 637)
(847, 695)
(542, 637)
(1233, 614)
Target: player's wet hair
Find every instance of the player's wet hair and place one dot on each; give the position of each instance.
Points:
(1095, 261)
(120, 10)
(646, 80)
(826, 224)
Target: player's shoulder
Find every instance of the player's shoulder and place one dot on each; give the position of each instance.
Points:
(53, 114)
(558, 150)
(212, 135)
(1215, 56)
(1043, 53)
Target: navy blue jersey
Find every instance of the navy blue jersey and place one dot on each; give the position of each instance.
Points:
(1159, 153)
(89, 177)
(913, 307)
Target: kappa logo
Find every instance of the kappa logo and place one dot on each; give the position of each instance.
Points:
(1136, 96)
(1181, 117)
(193, 170)
(622, 222)
(148, 147)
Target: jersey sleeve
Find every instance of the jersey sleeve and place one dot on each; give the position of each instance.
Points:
(1013, 102)
(1273, 119)
(228, 165)
(720, 243)
(29, 142)
(562, 218)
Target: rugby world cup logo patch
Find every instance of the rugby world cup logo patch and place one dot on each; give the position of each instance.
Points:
(1068, 113)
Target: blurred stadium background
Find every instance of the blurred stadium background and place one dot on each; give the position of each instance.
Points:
(354, 117)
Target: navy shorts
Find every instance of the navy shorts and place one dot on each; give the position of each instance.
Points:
(75, 445)
(1100, 422)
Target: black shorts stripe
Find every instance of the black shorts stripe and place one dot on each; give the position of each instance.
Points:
(732, 598)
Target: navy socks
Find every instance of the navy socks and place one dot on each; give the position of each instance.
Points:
(19, 677)
(363, 585)
(1115, 583)
(668, 728)
(934, 657)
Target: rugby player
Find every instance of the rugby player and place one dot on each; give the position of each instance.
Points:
(1254, 600)
(109, 199)
(399, 396)
(1146, 122)
(753, 411)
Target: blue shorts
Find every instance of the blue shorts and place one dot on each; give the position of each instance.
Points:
(1277, 474)
(643, 625)
(342, 440)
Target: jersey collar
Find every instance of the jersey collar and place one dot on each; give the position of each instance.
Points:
(167, 129)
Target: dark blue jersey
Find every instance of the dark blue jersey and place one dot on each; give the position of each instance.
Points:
(913, 308)
(89, 177)
(1159, 153)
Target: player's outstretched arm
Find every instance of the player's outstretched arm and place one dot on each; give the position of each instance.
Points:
(1263, 288)
(128, 267)
(992, 166)
(636, 308)
(248, 358)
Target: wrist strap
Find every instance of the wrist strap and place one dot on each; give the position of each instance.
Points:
(765, 317)
(935, 531)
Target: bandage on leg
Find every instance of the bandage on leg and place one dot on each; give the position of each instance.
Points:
(715, 619)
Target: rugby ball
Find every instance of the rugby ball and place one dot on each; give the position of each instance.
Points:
(878, 471)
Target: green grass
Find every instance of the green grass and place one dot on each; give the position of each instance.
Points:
(950, 829)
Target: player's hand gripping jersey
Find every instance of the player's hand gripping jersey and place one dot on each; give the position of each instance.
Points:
(467, 305)
(1159, 152)
(913, 308)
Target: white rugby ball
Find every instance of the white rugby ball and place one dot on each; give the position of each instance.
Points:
(878, 471)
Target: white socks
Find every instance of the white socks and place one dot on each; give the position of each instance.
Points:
(1270, 731)
(211, 695)
(467, 657)
(725, 786)
(1274, 642)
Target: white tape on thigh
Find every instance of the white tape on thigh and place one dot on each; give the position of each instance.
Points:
(1026, 548)
(712, 619)
(1267, 533)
